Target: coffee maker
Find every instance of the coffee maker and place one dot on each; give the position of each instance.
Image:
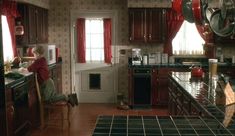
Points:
(136, 56)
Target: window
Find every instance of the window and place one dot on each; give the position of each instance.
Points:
(7, 43)
(188, 41)
(94, 40)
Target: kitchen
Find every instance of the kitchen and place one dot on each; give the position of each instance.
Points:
(60, 30)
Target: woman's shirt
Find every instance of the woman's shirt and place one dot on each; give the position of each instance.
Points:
(40, 67)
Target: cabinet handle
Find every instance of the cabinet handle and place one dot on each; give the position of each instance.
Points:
(150, 36)
(130, 39)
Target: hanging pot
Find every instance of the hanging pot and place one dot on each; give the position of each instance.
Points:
(197, 11)
(187, 11)
(222, 27)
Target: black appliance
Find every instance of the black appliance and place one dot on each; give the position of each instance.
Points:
(142, 87)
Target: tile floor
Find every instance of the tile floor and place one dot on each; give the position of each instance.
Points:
(83, 119)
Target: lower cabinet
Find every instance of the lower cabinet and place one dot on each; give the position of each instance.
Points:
(180, 103)
(9, 111)
(22, 107)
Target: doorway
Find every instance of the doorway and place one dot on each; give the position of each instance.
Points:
(107, 90)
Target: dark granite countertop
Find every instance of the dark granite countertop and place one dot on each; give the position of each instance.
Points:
(178, 65)
(15, 80)
(207, 94)
(11, 82)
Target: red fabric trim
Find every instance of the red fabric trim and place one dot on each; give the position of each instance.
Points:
(205, 33)
(107, 40)
(174, 22)
(81, 41)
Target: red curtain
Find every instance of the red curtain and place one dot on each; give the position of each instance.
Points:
(107, 40)
(9, 9)
(207, 35)
(205, 32)
(174, 22)
(81, 41)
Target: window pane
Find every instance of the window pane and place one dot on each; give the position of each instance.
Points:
(97, 54)
(97, 41)
(94, 40)
(96, 26)
(7, 43)
(88, 41)
(188, 41)
(88, 55)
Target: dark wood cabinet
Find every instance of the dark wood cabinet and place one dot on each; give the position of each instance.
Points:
(22, 107)
(162, 86)
(137, 24)
(155, 94)
(147, 25)
(32, 25)
(9, 111)
(35, 22)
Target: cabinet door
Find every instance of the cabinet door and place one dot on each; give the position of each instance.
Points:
(137, 25)
(42, 25)
(32, 19)
(155, 25)
(163, 93)
(154, 87)
(45, 26)
(162, 86)
(130, 87)
(9, 111)
(39, 27)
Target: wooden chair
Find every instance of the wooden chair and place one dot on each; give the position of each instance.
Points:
(51, 113)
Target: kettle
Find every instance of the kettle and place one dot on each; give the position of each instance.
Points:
(196, 71)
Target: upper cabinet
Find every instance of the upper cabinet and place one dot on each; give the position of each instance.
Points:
(35, 22)
(147, 25)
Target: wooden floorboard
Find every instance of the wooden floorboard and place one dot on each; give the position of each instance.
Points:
(83, 119)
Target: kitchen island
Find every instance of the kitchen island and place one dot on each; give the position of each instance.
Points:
(200, 97)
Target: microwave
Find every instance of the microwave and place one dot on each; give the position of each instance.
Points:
(50, 53)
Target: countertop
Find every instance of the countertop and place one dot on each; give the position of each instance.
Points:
(9, 82)
(176, 65)
(209, 95)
